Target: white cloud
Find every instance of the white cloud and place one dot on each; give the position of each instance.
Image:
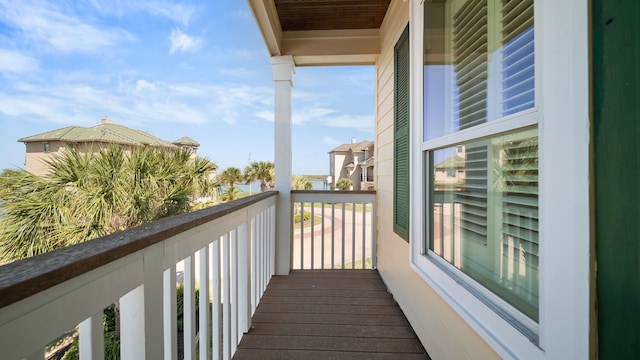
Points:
(43, 23)
(266, 115)
(234, 102)
(360, 122)
(243, 15)
(179, 13)
(139, 101)
(12, 62)
(325, 117)
(331, 142)
(145, 86)
(313, 114)
(181, 42)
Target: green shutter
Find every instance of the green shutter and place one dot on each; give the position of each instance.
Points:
(616, 127)
(401, 137)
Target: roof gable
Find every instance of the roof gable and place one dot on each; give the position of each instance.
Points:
(351, 147)
(185, 140)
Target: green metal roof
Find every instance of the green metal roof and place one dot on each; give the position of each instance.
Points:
(109, 133)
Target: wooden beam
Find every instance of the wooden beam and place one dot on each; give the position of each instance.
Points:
(266, 16)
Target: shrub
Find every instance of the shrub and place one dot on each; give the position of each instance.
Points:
(307, 216)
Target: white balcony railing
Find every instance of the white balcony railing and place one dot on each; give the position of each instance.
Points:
(340, 231)
(226, 251)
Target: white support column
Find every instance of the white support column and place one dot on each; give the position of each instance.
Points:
(283, 69)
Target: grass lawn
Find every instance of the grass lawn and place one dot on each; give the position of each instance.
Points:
(367, 264)
(307, 223)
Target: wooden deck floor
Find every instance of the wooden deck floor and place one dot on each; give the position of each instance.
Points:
(329, 314)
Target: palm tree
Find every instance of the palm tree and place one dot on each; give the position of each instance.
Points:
(272, 176)
(231, 175)
(299, 182)
(260, 171)
(231, 193)
(344, 184)
(88, 195)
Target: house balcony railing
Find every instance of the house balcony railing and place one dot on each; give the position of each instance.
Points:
(339, 231)
(227, 251)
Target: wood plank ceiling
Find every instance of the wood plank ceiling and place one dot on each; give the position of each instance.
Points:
(304, 15)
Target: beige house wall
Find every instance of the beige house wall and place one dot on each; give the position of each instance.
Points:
(36, 157)
(443, 332)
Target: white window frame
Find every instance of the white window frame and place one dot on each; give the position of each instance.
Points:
(563, 118)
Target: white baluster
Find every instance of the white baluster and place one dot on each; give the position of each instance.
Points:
(91, 338)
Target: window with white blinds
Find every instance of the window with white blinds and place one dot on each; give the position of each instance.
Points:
(470, 64)
(478, 63)
(479, 67)
(517, 53)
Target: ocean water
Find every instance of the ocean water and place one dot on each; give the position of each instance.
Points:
(254, 187)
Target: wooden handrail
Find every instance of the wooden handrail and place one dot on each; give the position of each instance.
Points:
(23, 278)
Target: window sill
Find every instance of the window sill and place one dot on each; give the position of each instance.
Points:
(502, 336)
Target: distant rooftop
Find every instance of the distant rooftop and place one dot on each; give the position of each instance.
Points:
(353, 146)
(106, 132)
(185, 140)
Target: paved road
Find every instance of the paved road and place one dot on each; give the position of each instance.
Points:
(322, 253)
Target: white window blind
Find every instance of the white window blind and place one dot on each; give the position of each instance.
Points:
(470, 63)
(473, 197)
(518, 57)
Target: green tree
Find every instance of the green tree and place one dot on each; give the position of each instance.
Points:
(344, 184)
(300, 182)
(262, 171)
(231, 175)
(88, 195)
(231, 193)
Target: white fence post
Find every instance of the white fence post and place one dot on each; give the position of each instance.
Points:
(170, 314)
(215, 297)
(244, 285)
(91, 338)
(132, 337)
(203, 331)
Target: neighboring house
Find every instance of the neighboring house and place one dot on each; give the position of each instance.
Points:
(450, 173)
(42, 147)
(354, 161)
(508, 271)
(188, 143)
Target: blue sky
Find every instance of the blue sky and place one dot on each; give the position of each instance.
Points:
(171, 68)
